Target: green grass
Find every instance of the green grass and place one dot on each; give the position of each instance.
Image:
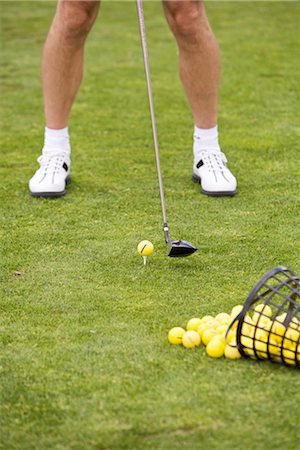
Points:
(84, 359)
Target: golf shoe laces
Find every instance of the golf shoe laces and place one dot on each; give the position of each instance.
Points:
(52, 163)
(214, 161)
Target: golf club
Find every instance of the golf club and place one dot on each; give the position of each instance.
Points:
(178, 247)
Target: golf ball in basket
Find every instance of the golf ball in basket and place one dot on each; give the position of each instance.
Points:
(145, 248)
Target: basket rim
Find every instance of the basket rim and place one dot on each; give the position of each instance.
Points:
(251, 297)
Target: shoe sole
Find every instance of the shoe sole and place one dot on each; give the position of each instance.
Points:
(197, 180)
(51, 194)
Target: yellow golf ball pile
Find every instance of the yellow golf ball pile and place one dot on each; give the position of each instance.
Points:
(260, 335)
(209, 331)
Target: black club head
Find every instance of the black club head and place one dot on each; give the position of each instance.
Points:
(181, 248)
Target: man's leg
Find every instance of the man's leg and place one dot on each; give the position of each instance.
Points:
(62, 64)
(199, 58)
(199, 68)
(62, 70)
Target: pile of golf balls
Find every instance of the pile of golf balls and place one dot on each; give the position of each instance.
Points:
(209, 331)
(261, 335)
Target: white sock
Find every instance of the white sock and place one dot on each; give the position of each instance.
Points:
(206, 139)
(57, 141)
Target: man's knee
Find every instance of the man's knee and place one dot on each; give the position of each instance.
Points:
(184, 17)
(75, 18)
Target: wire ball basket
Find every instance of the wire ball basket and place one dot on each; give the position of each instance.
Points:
(268, 326)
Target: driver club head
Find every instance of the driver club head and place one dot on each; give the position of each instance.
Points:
(181, 248)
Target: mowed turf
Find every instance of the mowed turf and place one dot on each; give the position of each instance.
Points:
(85, 363)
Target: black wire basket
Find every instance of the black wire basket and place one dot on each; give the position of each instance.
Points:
(268, 326)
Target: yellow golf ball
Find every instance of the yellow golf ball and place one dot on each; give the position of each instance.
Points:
(175, 335)
(215, 348)
(247, 344)
(230, 336)
(263, 309)
(206, 318)
(191, 339)
(223, 318)
(261, 348)
(208, 334)
(289, 356)
(213, 323)
(274, 348)
(202, 327)
(281, 318)
(236, 310)
(293, 336)
(260, 319)
(145, 248)
(232, 352)
(193, 324)
(294, 323)
(279, 330)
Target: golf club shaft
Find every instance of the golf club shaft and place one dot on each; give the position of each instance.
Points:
(151, 105)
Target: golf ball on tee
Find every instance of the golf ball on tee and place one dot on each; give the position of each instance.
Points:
(145, 248)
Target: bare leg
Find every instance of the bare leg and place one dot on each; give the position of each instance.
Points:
(199, 58)
(199, 67)
(62, 63)
(62, 69)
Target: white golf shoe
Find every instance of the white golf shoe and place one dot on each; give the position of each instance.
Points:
(211, 172)
(51, 179)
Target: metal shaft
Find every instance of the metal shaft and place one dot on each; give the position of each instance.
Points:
(140, 11)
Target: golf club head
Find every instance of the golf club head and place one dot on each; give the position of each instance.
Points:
(181, 248)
